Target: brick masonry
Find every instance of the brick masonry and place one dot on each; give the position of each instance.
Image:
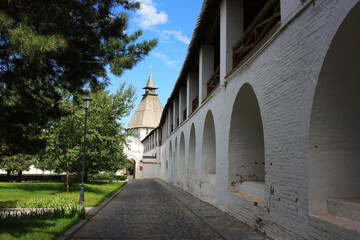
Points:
(284, 76)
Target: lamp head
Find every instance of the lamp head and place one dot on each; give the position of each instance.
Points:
(87, 101)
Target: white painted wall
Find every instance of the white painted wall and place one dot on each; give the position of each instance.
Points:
(231, 29)
(134, 150)
(305, 84)
(191, 157)
(208, 154)
(246, 141)
(334, 165)
(206, 69)
(182, 102)
(181, 164)
(192, 91)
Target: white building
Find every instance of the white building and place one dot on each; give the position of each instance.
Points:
(264, 119)
(145, 119)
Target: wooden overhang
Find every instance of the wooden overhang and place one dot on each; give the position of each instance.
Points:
(262, 14)
(203, 34)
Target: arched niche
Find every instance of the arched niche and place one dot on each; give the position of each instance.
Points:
(208, 156)
(192, 147)
(246, 146)
(169, 159)
(334, 134)
(131, 170)
(165, 156)
(181, 165)
(174, 164)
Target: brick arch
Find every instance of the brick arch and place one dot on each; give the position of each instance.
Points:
(246, 145)
(181, 164)
(334, 133)
(208, 156)
(192, 147)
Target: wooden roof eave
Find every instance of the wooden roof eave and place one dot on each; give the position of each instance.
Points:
(193, 50)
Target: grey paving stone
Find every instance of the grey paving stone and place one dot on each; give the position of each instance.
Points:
(227, 226)
(153, 209)
(145, 210)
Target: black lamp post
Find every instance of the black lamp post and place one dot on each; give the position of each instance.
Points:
(87, 101)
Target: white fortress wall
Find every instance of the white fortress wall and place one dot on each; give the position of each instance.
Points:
(280, 136)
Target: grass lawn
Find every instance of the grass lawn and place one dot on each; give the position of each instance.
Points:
(23, 228)
(39, 229)
(95, 193)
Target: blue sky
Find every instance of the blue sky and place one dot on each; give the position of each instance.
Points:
(172, 22)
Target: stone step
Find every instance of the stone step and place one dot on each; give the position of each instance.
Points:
(347, 208)
(253, 188)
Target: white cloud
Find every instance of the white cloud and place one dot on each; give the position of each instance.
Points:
(149, 16)
(166, 59)
(179, 35)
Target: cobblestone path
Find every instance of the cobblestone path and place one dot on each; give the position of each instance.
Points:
(145, 210)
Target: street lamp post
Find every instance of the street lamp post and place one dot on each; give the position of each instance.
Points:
(87, 101)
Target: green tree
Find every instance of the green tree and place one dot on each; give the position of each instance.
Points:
(104, 138)
(43, 163)
(106, 135)
(50, 45)
(16, 163)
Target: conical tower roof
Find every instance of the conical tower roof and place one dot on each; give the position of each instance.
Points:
(148, 113)
(150, 83)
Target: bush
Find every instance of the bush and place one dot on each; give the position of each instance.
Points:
(74, 181)
(120, 177)
(106, 177)
(32, 177)
(101, 177)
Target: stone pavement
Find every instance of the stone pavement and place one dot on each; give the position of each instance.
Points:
(153, 209)
(224, 224)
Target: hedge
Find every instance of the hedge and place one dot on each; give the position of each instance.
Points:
(32, 178)
(101, 177)
(106, 177)
(120, 177)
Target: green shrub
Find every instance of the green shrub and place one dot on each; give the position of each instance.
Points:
(106, 177)
(33, 178)
(120, 177)
(102, 177)
(74, 181)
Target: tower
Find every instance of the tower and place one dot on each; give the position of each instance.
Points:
(148, 113)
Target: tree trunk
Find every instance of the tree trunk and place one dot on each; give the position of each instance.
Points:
(67, 181)
(19, 177)
(67, 177)
(8, 172)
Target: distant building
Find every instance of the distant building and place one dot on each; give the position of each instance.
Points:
(148, 113)
(145, 119)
